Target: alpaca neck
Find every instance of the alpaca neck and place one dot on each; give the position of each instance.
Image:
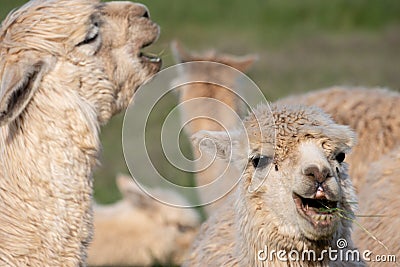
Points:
(47, 157)
(56, 139)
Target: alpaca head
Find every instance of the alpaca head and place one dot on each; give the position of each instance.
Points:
(215, 103)
(293, 169)
(241, 63)
(90, 47)
(209, 72)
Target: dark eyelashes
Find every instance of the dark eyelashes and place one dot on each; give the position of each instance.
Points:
(89, 39)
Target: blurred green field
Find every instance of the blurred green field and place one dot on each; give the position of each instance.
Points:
(302, 46)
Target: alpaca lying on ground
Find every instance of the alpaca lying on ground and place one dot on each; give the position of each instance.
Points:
(211, 115)
(297, 206)
(66, 67)
(140, 231)
(380, 196)
(372, 113)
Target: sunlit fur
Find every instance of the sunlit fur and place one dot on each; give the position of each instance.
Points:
(257, 217)
(56, 90)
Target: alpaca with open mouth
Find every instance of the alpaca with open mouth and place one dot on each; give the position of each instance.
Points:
(294, 196)
(66, 67)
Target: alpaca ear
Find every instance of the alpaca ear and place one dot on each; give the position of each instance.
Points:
(217, 143)
(132, 192)
(346, 135)
(240, 63)
(19, 82)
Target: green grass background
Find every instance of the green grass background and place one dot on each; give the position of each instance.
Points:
(302, 46)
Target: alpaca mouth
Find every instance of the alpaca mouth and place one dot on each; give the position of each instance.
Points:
(149, 58)
(319, 211)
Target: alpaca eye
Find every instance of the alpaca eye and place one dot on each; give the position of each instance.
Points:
(260, 161)
(90, 38)
(340, 157)
(92, 35)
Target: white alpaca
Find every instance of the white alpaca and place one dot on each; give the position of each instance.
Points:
(300, 153)
(140, 231)
(66, 67)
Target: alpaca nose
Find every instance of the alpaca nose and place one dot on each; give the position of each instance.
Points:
(320, 174)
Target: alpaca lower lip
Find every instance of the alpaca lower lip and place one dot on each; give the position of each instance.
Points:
(320, 212)
(146, 57)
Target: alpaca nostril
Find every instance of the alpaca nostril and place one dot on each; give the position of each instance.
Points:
(146, 14)
(314, 172)
(310, 171)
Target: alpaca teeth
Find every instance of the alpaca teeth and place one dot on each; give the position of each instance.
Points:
(316, 217)
(155, 59)
(306, 207)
